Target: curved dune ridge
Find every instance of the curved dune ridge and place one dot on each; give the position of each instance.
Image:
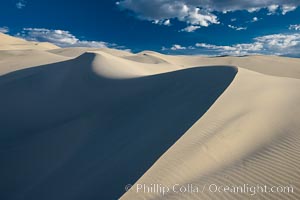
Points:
(77, 51)
(88, 126)
(145, 58)
(82, 123)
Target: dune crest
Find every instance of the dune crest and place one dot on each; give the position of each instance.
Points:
(87, 117)
(82, 123)
(110, 66)
(77, 51)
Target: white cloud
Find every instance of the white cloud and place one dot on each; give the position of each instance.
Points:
(196, 16)
(215, 47)
(254, 19)
(237, 28)
(284, 8)
(177, 47)
(295, 27)
(158, 11)
(288, 8)
(272, 9)
(58, 37)
(280, 43)
(190, 28)
(269, 44)
(21, 4)
(165, 22)
(201, 12)
(61, 38)
(251, 10)
(276, 44)
(4, 29)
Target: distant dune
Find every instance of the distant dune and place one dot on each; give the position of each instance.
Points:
(82, 123)
(13, 43)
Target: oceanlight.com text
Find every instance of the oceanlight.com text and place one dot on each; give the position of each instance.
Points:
(248, 189)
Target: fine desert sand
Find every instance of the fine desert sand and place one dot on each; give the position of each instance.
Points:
(82, 123)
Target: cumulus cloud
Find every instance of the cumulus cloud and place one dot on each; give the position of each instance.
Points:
(158, 10)
(4, 29)
(59, 37)
(21, 4)
(237, 49)
(251, 10)
(201, 12)
(280, 43)
(284, 8)
(288, 8)
(165, 22)
(177, 47)
(272, 9)
(269, 44)
(190, 28)
(295, 27)
(254, 19)
(237, 28)
(277, 44)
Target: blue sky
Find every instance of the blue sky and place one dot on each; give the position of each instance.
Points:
(216, 27)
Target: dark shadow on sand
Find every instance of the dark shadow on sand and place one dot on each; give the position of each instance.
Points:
(66, 133)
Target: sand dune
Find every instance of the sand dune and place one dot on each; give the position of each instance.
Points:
(82, 123)
(13, 43)
(77, 51)
(145, 58)
(77, 127)
(269, 65)
(12, 60)
(249, 136)
(16, 54)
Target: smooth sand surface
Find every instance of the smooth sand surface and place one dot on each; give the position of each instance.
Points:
(12, 60)
(249, 136)
(269, 65)
(12, 43)
(77, 51)
(83, 123)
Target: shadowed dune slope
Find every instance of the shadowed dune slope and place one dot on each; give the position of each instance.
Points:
(70, 132)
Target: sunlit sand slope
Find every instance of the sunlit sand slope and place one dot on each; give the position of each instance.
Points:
(249, 136)
(270, 65)
(12, 43)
